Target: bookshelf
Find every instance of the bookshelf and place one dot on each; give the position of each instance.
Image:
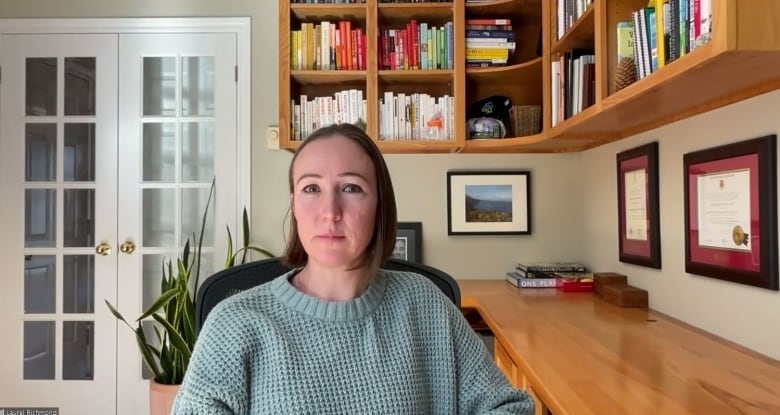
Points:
(711, 76)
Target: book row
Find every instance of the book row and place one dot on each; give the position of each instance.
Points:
(573, 84)
(663, 32)
(416, 117)
(568, 12)
(328, 46)
(310, 114)
(417, 46)
(402, 116)
(489, 42)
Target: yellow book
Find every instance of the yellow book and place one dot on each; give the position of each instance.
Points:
(661, 12)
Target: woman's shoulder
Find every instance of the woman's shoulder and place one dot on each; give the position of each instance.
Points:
(251, 300)
(413, 285)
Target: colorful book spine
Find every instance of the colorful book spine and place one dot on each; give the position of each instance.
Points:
(520, 282)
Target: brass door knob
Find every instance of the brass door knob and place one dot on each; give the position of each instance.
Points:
(103, 249)
(127, 248)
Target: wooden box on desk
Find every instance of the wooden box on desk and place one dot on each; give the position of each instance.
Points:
(625, 295)
(600, 279)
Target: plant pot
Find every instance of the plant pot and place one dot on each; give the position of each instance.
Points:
(161, 397)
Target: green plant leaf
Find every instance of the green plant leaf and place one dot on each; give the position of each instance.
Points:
(146, 351)
(160, 302)
(185, 256)
(245, 222)
(202, 228)
(116, 314)
(255, 248)
(229, 258)
(176, 340)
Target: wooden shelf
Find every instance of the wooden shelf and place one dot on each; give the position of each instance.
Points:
(310, 12)
(417, 146)
(500, 74)
(525, 10)
(739, 62)
(327, 77)
(580, 35)
(699, 82)
(407, 11)
(417, 76)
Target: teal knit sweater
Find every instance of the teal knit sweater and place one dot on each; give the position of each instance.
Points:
(402, 347)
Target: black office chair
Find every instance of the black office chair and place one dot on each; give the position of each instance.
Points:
(233, 280)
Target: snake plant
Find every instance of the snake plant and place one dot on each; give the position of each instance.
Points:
(174, 310)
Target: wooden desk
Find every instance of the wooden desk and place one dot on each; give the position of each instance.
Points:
(580, 355)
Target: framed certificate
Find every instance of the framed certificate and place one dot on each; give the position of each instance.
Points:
(731, 212)
(639, 230)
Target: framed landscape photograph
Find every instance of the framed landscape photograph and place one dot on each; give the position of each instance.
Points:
(639, 228)
(489, 202)
(408, 242)
(731, 212)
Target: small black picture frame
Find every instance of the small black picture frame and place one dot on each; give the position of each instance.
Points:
(408, 242)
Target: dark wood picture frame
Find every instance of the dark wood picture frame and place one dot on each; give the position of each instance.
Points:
(741, 179)
(408, 242)
(639, 226)
(488, 202)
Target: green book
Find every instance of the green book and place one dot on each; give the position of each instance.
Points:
(625, 40)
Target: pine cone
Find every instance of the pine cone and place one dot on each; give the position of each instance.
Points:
(625, 73)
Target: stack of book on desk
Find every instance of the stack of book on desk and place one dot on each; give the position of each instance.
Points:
(545, 274)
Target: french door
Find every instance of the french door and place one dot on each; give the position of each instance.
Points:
(108, 147)
(58, 146)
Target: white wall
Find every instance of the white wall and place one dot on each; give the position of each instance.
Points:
(744, 314)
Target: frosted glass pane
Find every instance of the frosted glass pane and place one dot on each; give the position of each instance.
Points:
(79, 153)
(39, 218)
(39, 284)
(159, 217)
(40, 152)
(197, 86)
(41, 86)
(193, 203)
(38, 350)
(79, 86)
(78, 289)
(151, 278)
(79, 217)
(197, 151)
(159, 146)
(159, 86)
(78, 353)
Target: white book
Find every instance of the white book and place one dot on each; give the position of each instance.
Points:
(556, 90)
(325, 45)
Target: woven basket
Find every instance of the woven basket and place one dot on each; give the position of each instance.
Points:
(526, 119)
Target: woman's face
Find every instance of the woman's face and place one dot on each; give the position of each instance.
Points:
(334, 201)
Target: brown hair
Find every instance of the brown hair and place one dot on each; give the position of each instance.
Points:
(383, 241)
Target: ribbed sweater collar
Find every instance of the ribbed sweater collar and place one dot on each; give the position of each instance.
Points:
(330, 310)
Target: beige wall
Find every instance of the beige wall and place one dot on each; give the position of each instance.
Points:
(746, 315)
(573, 196)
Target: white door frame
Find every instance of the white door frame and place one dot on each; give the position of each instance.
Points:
(241, 26)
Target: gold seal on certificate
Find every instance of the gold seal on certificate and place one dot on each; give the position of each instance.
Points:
(739, 236)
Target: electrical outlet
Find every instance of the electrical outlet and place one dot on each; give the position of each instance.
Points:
(272, 137)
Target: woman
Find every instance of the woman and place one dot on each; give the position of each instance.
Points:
(339, 335)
